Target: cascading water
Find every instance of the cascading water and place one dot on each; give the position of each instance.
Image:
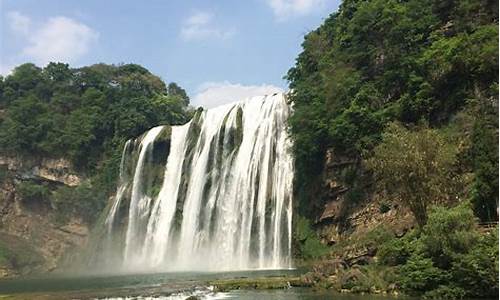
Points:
(222, 200)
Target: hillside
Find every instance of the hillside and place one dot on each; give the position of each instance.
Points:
(61, 134)
(395, 131)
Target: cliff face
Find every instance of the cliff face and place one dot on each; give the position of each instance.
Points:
(32, 238)
(348, 206)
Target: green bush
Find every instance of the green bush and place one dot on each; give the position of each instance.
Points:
(4, 172)
(477, 271)
(83, 201)
(446, 293)
(4, 255)
(419, 275)
(447, 259)
(415, 167)
(395, 251)
(354, 195)
(33, 192)
(448, 233)
(484, 156)
(18, 253)
(376, 237)
(309, 244)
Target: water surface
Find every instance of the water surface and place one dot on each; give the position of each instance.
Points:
(178, 285)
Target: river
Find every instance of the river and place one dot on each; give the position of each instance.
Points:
(179, 285)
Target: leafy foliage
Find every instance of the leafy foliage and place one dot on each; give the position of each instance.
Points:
(33, 192)
(376, 61)
(84, 115)
(82, 200)
(420, 274)
(309, 246)
(448, 258)
(448, 233)
(415, 167)
(81, 113)
(477, 270)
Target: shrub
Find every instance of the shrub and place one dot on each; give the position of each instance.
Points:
(395, 251)
(445, 293)
(477, 271)
(376, 237)
(33, 192)
(414, 166)
(448, 233)
(308, 243)
(420, 275)
(355, 194)
(4, 172)
(83, 200)
(448, 258)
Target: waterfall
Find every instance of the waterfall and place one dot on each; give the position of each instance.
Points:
(213, 194)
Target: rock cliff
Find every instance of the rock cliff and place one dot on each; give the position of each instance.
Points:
(32, 238)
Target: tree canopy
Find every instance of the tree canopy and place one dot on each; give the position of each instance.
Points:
(84, 115)
(377, 61)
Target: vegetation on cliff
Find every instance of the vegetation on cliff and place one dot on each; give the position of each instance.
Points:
(84, 115)
(376, 61)
(404, 93)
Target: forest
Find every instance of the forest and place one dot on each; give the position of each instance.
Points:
(409, 91)
(84, 115)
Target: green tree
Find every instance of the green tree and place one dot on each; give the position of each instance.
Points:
(84, 115)
(174, 90)
(377, 61)
(415, 167)
(448, 233)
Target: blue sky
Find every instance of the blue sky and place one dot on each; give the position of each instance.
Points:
(217, 50)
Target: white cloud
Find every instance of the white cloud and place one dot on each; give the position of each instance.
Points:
(18, 23)
(212, 94)
(60, 39)
(199, 26)
(6, 69)
(283, 9)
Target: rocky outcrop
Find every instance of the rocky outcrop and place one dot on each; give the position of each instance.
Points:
(44, 169)
(35, 227)
(354, 221)
(344, 216)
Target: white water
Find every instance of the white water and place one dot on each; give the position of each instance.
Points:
(226, 198)
(122, 187)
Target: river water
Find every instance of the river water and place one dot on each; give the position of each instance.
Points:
(179, 285)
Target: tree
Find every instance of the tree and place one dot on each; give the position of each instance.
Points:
(376, 61)
(84, 115)
(174, 90)
(415, 167)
